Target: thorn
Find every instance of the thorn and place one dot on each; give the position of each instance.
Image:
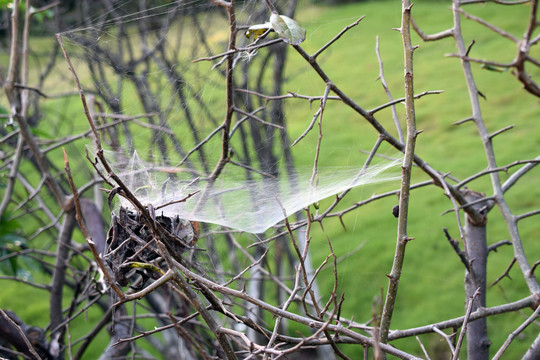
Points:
(482, 95)
(491, 136)
(463, 121)
(406, 239)
(342, 223)
(469, 48)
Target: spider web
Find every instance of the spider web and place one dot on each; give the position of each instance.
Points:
(159, 114)
(247, 205)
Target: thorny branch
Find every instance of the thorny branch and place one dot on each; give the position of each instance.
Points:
(406, 171)
(222, 304)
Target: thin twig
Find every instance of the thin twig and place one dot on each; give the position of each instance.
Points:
(6, 199)
(516, 332)
(500, 131)
(423, 348)
(441, 35)
(455, 246)
(290, 95)
(530, 164)
(254, 117)
(400, 100)
(336, 38)
(21, 333)
(387, 91)
(237, 50)
(488, 25)
(82, 225)
(527, 214)
(465, 322)
(506, 273)
(446, 337)
(478, 314)
(498, 244)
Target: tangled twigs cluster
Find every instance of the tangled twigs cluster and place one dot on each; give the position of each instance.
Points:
(131, 248)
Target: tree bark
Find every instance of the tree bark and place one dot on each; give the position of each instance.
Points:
(59, 277)
(476, 249)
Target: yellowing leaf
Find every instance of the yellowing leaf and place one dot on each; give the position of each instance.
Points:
(257, 30)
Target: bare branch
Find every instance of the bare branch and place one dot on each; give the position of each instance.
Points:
(336, 38)
(455, 246)
(400, 100)
(488, 25)
(505, 273)
(463, 121)
(255, 117)
(447, 338)
(441, 35)
(519, 252)
(224, 55)
(509, 127)
(388, 93)
(21, 334)
(516, 332)
(527, 214)
(512, 179)
(495, 246)
(406, 170)
(80, 220)
(465, 322)
(290, 95)
(12, 176)
(478, 314)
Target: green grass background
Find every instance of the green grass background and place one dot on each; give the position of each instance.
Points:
(431, 288)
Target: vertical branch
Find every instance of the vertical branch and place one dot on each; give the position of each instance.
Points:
(475, 279)
(388, 93)
(229, 100)
(229, 89)
(19, 101)
(15, 161)
(402, 237)
(80, 219)
(25, 93)
(59, 274)
(313, 182)
(510, 219)
(9, 83)
(465, 323)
